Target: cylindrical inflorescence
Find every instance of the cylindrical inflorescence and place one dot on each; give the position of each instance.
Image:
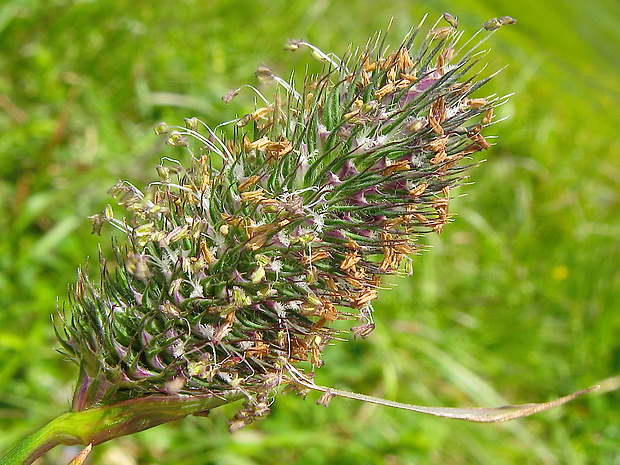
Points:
(236, 265)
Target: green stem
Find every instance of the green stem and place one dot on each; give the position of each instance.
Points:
(101, 424)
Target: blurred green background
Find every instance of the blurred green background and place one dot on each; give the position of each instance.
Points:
(518, 301)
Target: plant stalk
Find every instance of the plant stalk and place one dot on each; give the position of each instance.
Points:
(101, 424)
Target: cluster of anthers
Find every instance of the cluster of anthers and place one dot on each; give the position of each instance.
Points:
(235, 266)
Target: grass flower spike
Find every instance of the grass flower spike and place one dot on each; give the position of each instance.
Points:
(239, 258)
(235, 266)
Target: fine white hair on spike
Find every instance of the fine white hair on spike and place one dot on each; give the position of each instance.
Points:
(288, 87)
(332, 59)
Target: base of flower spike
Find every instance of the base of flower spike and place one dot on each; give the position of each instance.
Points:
(98, 425)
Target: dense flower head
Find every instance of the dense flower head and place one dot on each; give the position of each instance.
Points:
(237, 263)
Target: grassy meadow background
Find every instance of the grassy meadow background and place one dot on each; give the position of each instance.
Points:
(518, 300)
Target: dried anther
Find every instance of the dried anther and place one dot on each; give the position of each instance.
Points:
(451, 20)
